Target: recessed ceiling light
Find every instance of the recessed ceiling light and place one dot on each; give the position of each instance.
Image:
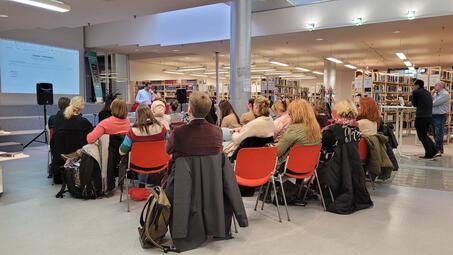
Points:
(401, 55)
(172, 72)
(319, 39)
(278, 63)
(175, 50)
(358, 21)
(350, 66)
(407, 63)
(310, 26)
(3, 16)
(396, 32)
(334, 60)
(410, 14)
(302, 69)
(52, 5)
(199, 75)
(316, 72)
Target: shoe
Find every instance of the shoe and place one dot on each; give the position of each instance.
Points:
(437, 155)
(425, 157)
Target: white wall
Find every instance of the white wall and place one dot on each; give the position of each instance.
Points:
(343, 85)
(71, 38)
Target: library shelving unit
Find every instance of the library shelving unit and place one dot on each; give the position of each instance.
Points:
(277, 88)
(167, 88)
(390, 89)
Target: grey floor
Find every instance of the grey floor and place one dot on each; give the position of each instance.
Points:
(404, 220)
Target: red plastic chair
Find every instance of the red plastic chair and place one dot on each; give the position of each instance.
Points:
(303, 161)
(146, 158)
(363, 155)
(254, 167)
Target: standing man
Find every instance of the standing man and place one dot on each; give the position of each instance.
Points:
(421, 98)
(145, 95)
(441, 109)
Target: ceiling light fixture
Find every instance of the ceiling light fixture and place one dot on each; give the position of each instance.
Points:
(319, 39)
(335, 60)
(191, 68)
(220, 72)
(302, 69)
(350, 66)
(278, 63)
(310, 26)
(410, 14)
(401, 55)
(172, 72)
(278, 73)
(358, 21)
(199, 75)
(46, 4)
(316, 72)
(3, 16)
(407, 63)
(262, 70)
(396, 32)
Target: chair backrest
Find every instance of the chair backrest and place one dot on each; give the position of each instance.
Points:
(303, 159)
(148, 156)
(363, 149)
(256, 163)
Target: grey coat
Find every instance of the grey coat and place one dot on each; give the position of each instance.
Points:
(204, 195)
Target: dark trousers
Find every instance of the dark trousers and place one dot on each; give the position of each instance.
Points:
(439, 125)
(422, 126)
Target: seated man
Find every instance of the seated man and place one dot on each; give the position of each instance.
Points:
(199, 137)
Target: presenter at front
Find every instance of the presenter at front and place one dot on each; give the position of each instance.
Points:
(145, 96)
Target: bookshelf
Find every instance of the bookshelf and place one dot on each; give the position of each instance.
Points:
(387, 88)
(166, 88)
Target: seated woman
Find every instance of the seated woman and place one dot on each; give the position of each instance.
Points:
(368, 118)
(261, 127)
(175, 116)
(158, 110)
(303, 130)
(322, 114)
(340, 172)
(283, 119)
(229, 118)
(106, 111)
(117, 124)
(145, 129)
(70, 135)
(212, 115)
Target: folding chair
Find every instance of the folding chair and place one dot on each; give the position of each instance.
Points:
(301, 163)
(363, 155)
(146, 158)
(254, 167)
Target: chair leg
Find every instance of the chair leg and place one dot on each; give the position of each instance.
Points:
(320, 191)
(276, 199)
(373, 186)
(235, 225)
(127, 195)
(284, 196)
(258, 197)
(265, 195)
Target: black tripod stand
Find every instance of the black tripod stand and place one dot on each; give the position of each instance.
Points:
(43, 132)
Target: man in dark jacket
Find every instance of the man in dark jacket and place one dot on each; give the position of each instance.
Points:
(198, 138)
(421, 98)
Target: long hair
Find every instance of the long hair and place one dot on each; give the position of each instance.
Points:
(368, 109)
(301, 112)
(144, 118)
(75, 107)
(226, 109)
(263, 105)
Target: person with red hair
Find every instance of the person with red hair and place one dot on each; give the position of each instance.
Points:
(369, 116)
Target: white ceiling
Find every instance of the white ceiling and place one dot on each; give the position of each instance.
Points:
(87, 11)
(426, 42)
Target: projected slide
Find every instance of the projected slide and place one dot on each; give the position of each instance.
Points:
(22, 65)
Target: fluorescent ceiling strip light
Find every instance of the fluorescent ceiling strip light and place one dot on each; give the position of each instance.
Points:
(277, 73)
(350, 66)
(46, 4)
(173, 72)
(278, 63)
(262, 70)
(191, 69)
(334, 60)
(316, 72)
(302, 69)
(199, 75)
(401, 55)
(407, 63)
(3, 16)
(220, 72)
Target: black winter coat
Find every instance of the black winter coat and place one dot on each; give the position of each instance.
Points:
(343, 172)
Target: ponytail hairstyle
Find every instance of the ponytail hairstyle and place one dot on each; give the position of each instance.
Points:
(75, 107)
(144, 118)
(280, 105)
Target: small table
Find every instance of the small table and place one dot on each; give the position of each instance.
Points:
(2, 159)
(400, 111)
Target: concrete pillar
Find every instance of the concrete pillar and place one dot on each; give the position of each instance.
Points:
(240, 54)
(330, 71)
(343, 85)
(217, 85)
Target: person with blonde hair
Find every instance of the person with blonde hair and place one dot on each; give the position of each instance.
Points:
(158, 110)
(283, 120)
(304, 129)
(70, 135)
(145, 129)
(117, 124)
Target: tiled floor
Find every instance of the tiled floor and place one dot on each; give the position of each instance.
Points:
(405, 219)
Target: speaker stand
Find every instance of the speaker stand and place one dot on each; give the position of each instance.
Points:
(43, 132)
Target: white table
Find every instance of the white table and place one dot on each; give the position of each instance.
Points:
(400, 111)
(2, 159)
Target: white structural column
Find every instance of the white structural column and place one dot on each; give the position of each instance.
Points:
(240, 86)
(330, 74)
(217, 85)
